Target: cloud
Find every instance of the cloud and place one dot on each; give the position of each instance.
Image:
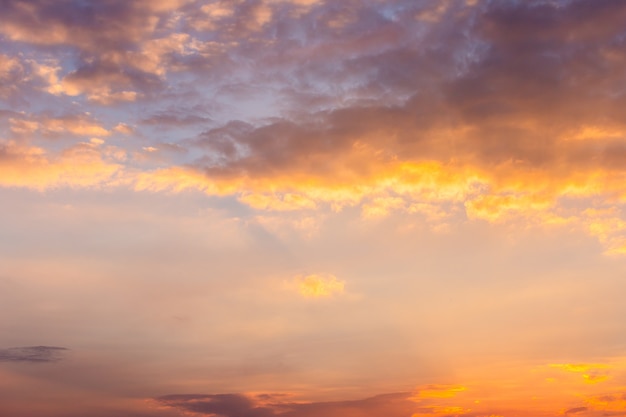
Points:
(501, 151)
(238, 405)
(221, 404)
(319, 286)
(614, 402)
(175, 117)
(592, 373)
(73, 124)
(34, 354)
(86, 164)
(119, 55)
(22, 76)
(576, 410)
(438, 391)
(124, 129)
(11, 74)
(294, 116)
(499, 111)
(104, 83)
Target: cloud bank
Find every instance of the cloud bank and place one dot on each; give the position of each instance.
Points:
(500, 111)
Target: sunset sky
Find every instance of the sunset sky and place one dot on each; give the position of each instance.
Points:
(312, 208)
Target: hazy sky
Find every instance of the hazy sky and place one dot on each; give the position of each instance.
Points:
(312, 208)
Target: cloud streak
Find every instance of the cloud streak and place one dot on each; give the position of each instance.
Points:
(237, 405)
(32, 354)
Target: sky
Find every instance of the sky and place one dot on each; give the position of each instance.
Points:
(312, 208)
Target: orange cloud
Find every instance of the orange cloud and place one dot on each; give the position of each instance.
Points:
(438, 391)
(591, 373)
(319, 286)
(79, 125)
(610, 402)
(82, 165)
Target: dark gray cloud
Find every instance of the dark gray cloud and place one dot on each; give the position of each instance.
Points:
(33, 354)
(237, 405)
(173, 118)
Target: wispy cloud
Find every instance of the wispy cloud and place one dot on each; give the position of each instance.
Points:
(34, 354)
(238, 405)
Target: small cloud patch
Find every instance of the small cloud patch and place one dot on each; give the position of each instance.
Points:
(438, 391)
(33, 354)
(592, 373)
(319, 286)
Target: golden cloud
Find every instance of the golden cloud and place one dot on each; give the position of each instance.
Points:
(591, 373)
(80, 166)
(319, 285)
(79, 125)
(438, 391)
